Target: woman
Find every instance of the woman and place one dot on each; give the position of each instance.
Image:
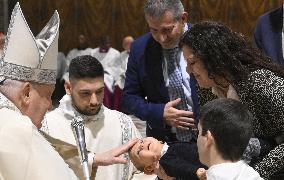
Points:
(222, 60)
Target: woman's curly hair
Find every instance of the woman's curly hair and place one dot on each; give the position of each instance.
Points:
(226, 53)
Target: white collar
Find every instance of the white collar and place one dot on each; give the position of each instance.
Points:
(70, 112)
(185, 27)
(164, 149)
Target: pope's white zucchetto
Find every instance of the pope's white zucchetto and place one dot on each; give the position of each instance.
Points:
(30, 58)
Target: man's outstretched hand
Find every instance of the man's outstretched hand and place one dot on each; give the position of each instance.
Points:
(178, 118)
(113, 156)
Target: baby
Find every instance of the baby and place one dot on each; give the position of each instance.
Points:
(224, 131)
(179, 160)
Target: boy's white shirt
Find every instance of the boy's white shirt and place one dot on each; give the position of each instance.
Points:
(232, 171)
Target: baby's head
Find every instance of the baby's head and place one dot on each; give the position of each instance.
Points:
(145, 153)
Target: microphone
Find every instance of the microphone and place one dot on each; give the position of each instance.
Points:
(79, 133)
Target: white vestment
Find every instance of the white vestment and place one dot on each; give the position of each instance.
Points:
(75, 53)
(120, 66)
(104, 131)
(232, 171)
(107, 59)
(24, 152)
(61, 65)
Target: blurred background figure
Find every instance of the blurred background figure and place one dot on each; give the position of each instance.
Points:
(105, 53)
(268, 34)
(2, 41)
(61, 65)
(120, 66)
(126, 43)
(119, 69)
(107, 56)
(81, 50)
(59, 90)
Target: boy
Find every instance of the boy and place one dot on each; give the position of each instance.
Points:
(224, 132)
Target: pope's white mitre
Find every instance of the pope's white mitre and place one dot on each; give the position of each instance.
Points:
(30, 58)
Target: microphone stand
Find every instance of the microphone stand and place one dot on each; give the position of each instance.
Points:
(79, 133)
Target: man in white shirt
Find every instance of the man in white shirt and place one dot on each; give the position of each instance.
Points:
(119, 69)
(104, 128)
(105, 53)
(224, 132)
(82, 49)
(107, 56)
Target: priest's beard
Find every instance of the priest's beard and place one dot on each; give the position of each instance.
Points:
(88, 110)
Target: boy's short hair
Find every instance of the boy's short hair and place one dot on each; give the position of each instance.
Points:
(229, 122)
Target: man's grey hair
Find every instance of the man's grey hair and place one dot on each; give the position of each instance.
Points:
(157, 8)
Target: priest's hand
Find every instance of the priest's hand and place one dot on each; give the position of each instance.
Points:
(113, 156)
(178, 118)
